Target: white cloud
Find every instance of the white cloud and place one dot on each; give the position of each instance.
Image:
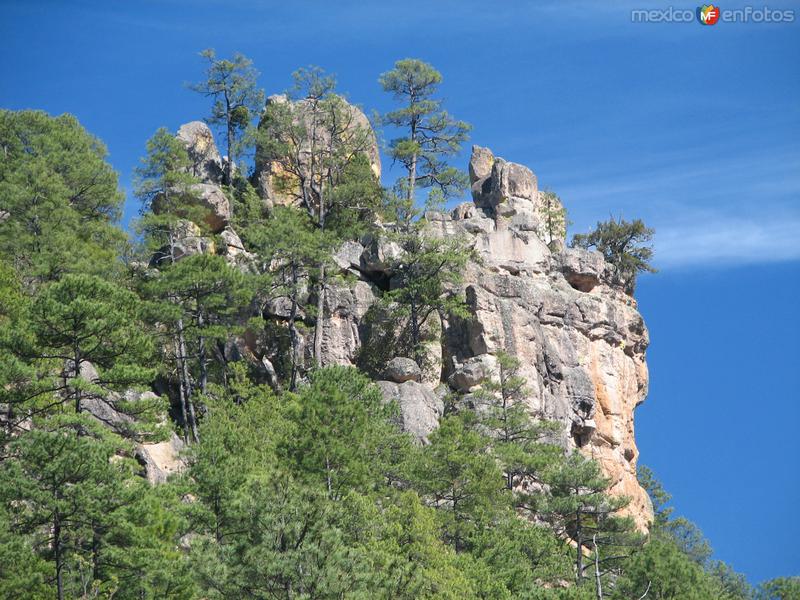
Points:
(724, 241)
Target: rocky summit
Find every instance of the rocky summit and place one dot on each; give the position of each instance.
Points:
(559, 310)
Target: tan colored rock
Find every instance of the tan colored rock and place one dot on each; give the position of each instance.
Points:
(579, 338)
(277, 186)
(480, 164)
(207, 163)
(162, 459)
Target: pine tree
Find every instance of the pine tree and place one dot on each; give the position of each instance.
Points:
(82, 338)
(581, 509)
(82, 511)
(296, 250)
(59, 199)
(624, 245)
(343, 435)
(202, 298)
(232, 84)
(429, 134)
(164, 185)
(456, 475)
(425, 278)
(318, 148)
(517, 441)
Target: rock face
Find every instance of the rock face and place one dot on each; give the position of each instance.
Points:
(278, 187)
(207, 164)
(579, 337)
(401, 369)
(559, 310)
(420, 407)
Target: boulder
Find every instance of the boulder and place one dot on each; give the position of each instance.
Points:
(401, 369)
(162, 459)
(207, 163)
(480, 164)
(188, 241)
(348, 256)
(420, 407)
(583, 269)
(472, 372)
(507, 180)
(234, 251)
(278, 187)
(379, 254)
(210, 198)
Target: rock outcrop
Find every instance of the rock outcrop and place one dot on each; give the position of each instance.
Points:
(277, 186)
(559, 310)
(579, 337)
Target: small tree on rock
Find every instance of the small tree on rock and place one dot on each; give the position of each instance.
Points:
(624, 245)
(232, 84)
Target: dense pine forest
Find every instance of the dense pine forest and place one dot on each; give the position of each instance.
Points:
(292, 478)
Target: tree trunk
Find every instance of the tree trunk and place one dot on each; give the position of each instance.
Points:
(187, 382)
(320, 321)
(579, 551)
(201, 354)
(415, 334)
(182, 390)
(229, 126)
(58, 555)
(598, 583)
(294, 335)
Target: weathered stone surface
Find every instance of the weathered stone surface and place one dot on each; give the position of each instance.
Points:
(345, 307)
(420, 407)
(379, 253)
(210, 198)
(207, 163)
(348, 256)
(279, 187)
(583, 269)
(234, 251)
(472, 372)
(480, 164)
(580, 340)
(189, 241)
(507, 180)
(162, 459)
(401, 369)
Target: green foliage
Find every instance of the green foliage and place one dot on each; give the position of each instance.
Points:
(164, 185)
(624, 245)
(782, 588)
(200, 301)
(59, 199)
(555, 218)
(429, 134)
(670, 574)
(297, 250)
(80, 339)
(461, 479)
(425, 276)
(343, 435)
(316, 149)
(516, 438)
(580, 507)
(100, 530)
(233, 86)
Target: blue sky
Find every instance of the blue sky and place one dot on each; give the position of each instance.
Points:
(695, 129)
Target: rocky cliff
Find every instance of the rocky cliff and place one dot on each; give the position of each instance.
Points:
(579, 337)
